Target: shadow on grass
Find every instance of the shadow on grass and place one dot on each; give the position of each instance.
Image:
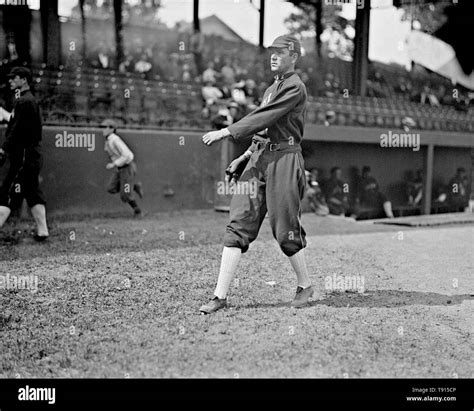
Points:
(381, 298)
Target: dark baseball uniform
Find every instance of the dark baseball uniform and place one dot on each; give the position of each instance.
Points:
(23, 146)
(276, 168)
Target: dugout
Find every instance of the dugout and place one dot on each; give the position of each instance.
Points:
(179, 172)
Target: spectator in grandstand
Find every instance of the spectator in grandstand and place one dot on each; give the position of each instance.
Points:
(440, 194)
(228, 73)
(143, 66)
(210, 93)
(103, 59)
(329, 88)
(369, 194)
(186, 73)
(337, 191)
(415, 188)
(238, 93)
(222, 119)
(458, 196)
(236, 111)
(427, 96)
(210, 74)
(122, 163)
(126, 65)
(251, 94)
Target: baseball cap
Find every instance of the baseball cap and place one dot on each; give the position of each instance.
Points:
(108, 122)
(22, 72)
(287, 41)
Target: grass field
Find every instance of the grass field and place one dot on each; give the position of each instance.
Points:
(119, 297)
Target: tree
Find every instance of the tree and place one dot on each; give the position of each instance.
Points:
(313, 18)
(429, 17)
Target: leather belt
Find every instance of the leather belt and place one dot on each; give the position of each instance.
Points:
(283, 146)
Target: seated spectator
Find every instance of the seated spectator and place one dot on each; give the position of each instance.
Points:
(236, 111)
(337, 193)
(222, 119)
(415, 188)
(314, 199)
(103, 59)
(458, 196)
(186, 73)
(126, 65)
(369, 194)
(251, 94)
(209, 75)
(440, 194)
(228, 73)
(210, 93)
(238, 93)
(428, 96)
(143, 66)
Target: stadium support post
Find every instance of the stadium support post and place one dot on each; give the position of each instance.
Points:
(118, 7)
(361, 49)
(51, 31)
(428, 172)
(262, 23)
(196, 25)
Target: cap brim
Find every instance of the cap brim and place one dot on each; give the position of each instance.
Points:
(277, 46)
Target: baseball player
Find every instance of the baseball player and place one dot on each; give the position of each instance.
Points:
(22, 146)
(125, 169)
(276, 167)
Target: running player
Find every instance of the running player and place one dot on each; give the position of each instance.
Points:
(124, 168)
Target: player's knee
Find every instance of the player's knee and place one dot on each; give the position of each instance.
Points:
(125, 197)
(290, 243)
(231, 239)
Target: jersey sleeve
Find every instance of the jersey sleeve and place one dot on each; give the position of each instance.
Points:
(266, 116)
(126, 155)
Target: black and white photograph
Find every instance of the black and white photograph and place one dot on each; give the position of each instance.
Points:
(243, 191)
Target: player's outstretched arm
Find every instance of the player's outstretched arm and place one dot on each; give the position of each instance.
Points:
(213, 136)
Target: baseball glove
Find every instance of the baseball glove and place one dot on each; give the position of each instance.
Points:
(233, 176)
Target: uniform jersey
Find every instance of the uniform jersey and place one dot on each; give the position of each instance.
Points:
(281, 113)
(22, 144)
(24, 127)
(117, 150)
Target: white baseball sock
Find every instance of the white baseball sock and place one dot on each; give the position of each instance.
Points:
(299, 265)
(229, 262)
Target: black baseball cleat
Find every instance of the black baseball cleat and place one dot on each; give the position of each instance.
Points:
(138, 189)
(40, 238)
(302, 297)
(212, 306)
(138, 214)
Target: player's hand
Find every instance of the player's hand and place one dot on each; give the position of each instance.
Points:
(4, 115)
(212, 137)
(230, 175)
(110, 166)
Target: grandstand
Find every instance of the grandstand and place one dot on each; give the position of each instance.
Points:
(85, 95)
(75, 91)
